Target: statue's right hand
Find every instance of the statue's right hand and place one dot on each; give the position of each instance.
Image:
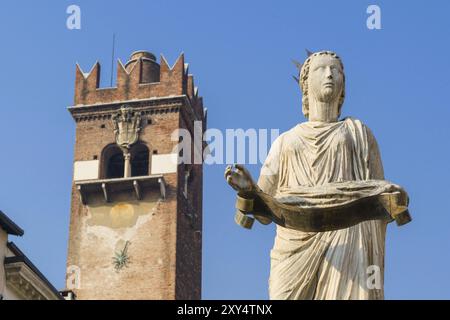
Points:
(239, 178)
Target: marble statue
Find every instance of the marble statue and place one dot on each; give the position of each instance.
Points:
(323, 184)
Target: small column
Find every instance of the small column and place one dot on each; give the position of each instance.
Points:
(127, 165)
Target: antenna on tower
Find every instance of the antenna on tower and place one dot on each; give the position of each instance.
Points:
(112, 57)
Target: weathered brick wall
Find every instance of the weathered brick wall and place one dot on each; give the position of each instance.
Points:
(189, 228)
(156, 245)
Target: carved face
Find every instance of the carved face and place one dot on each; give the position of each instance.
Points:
(325, 80)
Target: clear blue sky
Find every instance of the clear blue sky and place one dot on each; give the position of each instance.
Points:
(240, 53)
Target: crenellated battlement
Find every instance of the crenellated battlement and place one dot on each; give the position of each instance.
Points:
(140, 78)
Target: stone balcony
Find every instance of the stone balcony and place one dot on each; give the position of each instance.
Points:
(109, 189)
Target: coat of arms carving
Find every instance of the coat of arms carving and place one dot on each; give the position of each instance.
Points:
(127, 125)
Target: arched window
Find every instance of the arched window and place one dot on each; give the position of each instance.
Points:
(139, 160)
(113, 163)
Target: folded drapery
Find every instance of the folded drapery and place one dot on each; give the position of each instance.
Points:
(323, 185)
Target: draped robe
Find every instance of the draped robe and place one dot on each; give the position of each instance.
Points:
(332, 264)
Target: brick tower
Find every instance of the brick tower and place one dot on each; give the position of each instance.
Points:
(136, 212)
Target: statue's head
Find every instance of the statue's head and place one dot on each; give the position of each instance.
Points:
(322, 78)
